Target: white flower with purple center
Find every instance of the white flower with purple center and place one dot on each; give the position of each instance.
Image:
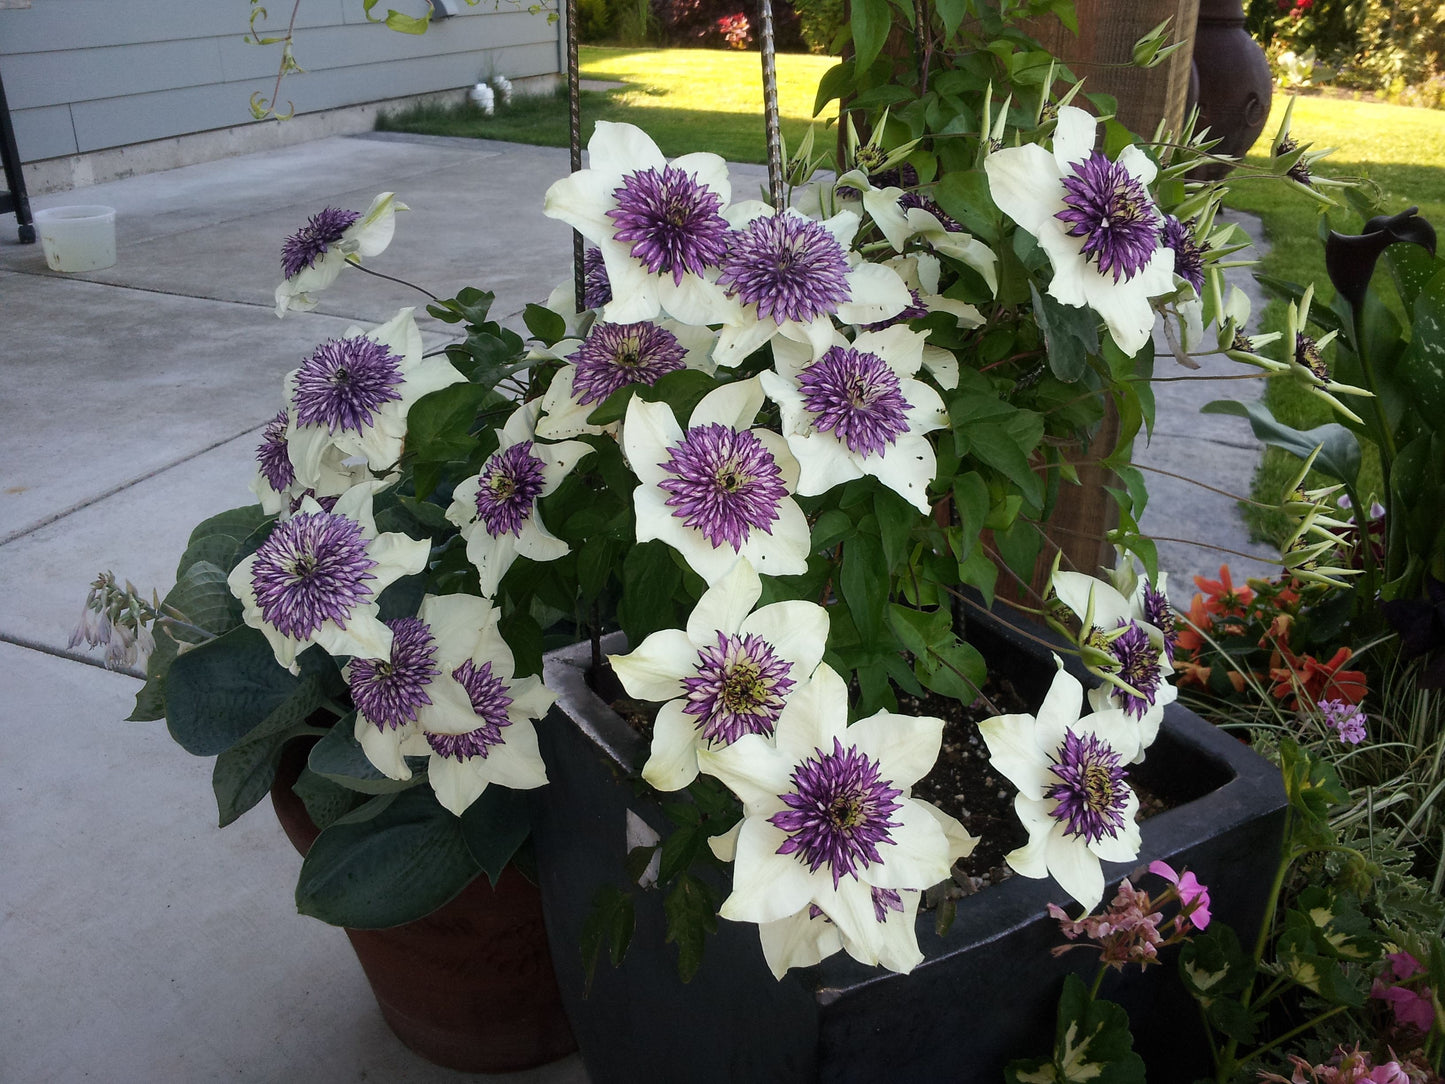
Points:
(858, 411)
(659, 225)
(1096, 221)
(1123, 648)
(719, 490)
(922, 274)
(729, 673)
(352, 395)
(1074, 797)
(611, 357)
(470, 716)
(786, 274)
(827, 815)
(496, 508)
(317, 576)
(314, 255)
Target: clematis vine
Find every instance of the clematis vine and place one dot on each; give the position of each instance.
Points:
(827, 816)
(317, 577)
(496, 508)
(659, 225)
(858, 411)
(1096, 221)
(1074, 797)
(729, 673)
(719, 490)
(352, 395)
(314, 255)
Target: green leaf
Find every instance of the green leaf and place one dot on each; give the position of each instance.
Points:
(871, 23)
(545, 324)
(1424, 361)
(204, 598)
(439, 425)
(834, 84)
(243, 774)
(1070, 333)
(833, 526)
(394, 868)
(952, 13)
(338, 756)
(1339, 450)
(691, 909)
(326, 802)
(1092, 1043)
(494, 826)
(964, 196)
(610, 921)
(221, 691)
(864, 584)
(234, 523)
(649, 580)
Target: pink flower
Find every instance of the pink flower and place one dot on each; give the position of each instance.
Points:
(1413, 1006)
(1193, 896)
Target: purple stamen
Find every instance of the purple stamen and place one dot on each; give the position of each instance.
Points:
(671, 220)
(1091, 794)
(344, 381)
(915, 199)
(885, 900)
(855, 396)
(271, 454)
(1188, 252)
(791, 267)
(510, 484)
(1107, 206)
(725, 483)
(308, 244)
(490, 700)
(1160, 614)
(616, 355)
(596, 287)
(738, 689)
(1138, 667)
(389, 692)
(838, 813)
(310, 570)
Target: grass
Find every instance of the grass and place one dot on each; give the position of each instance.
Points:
(1397, 150)
(686, 99)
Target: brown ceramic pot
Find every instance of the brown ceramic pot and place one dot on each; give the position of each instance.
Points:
(469, 986)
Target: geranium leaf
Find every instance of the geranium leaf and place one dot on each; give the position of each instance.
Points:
(398, 866)
(1092, 1043)
(691, 909)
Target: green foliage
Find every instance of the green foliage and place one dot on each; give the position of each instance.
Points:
(1091, 1043)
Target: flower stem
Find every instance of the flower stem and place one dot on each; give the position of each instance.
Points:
(393, 278)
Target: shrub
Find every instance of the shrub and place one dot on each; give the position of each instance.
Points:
(820, 21)
(594, 21)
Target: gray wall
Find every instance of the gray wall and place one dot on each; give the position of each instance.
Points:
(85, 75)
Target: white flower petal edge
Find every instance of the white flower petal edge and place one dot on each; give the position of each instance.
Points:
(367, 236)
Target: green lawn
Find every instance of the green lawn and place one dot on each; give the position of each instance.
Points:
(1398, 150)
(686, 99)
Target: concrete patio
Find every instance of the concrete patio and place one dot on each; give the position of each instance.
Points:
(141, 942)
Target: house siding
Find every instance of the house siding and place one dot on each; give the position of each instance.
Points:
(87, 75)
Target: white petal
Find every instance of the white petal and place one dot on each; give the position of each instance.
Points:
(1075, 867)
(905, 746)
(724, 606)
(751, 768)
(767, 886)
(672, 764)
(1073, 136)
(1015, 753)
(1024, 182)
(655, 669)
(797, 941)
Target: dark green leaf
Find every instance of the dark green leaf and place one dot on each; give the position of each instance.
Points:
(394, 868)
(1092, 1043)
(691, 909)
(243, 774)
(494, 826)
(1339, 450)
(864, 584)
(439, 425)
(834, 84)
(1071, 334)
(649, 579)
(545, 324)
(326, 802)
(871, 23)
(1424, 362)
(338, 756)
(610, 922)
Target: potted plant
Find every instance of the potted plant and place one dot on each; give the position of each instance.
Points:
(772, 445)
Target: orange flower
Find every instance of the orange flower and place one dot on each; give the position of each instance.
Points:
(1308, 678)
(1224, 598)
(1187, 638)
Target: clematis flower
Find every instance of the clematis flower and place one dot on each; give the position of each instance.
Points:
(786, 274)
(314, 255)
(658, 225)
(317, 576)
(729, 673)
(718, 491)
(921, 273)
(610, 358)
(858, 411)
(485, 735)
(1234, 339)
(1096, 221)
(1074, 798)
(352, 396)
(1307, 363)
(827, 816)
(1148, 601)
(496, 509)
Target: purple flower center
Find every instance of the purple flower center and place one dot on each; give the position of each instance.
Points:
(838, 812)
(311, 569)
(1138, 660)
(1091, 792)
(914, 199)
(312, 241)
(490, 700)
(791, 267)
(671, 220)
(389, 692)
(855, 396)
(1307, 353)
(344, 381)
(916, 310)
(510, 485)
(1188, 252)
(596, 287)
(724, 483)
(616, 355)
(271, 454)
(1107, 206)
(885, 900)
(738, 688)
(1160, 614)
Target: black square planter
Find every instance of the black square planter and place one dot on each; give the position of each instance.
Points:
(986, 992)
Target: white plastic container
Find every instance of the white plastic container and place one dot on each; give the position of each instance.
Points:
(80, 238)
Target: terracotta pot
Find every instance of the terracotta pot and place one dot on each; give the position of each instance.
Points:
(470, 986)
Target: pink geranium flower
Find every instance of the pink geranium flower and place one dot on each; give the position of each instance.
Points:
(1193, 896)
